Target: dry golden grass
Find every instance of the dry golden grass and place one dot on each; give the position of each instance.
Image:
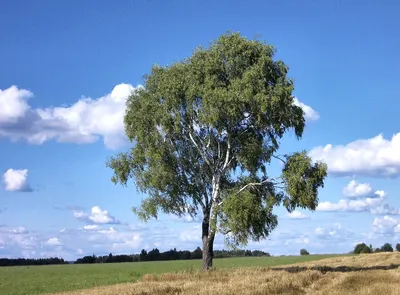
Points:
(257, 281)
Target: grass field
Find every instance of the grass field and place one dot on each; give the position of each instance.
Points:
(366, 274)
(58, 278)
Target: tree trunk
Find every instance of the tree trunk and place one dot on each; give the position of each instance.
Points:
(208, 244)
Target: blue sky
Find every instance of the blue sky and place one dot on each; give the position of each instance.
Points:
(67, 67)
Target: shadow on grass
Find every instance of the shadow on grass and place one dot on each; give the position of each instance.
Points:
(325, 269)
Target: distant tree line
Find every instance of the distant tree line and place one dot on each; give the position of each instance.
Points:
(363, 248)
(29, 261)
(173, 254)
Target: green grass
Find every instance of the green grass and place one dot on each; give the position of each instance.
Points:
(32, 280)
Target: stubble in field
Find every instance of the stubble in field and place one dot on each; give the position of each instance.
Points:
(364, 274)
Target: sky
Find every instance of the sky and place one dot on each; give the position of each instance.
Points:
(67, 67)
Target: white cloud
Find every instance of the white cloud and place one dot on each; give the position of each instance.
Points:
(386, 225)
(297, 215)
(375, 156)
(336, 232)
(185, 218)
(83, 122)
(192, 234)
(19, 230)
(301, 240)
(385, 209)
(16, 180)
(361, 205)
(53, 242)
(309, 112)
(91, 227)
(132, 244)
(355, 189)
(13, 104)
(96, 216)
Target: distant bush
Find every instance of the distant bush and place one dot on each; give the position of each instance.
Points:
(304, 252)
(362, 248)
(398, 247)
(387, 248)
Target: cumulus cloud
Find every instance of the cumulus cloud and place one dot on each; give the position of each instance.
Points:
(334, 232)
(85, 121)
(19, 230)
(185, 218)
(360, 205)
(300, 240)
(133, 243)
(385, 209)
(16, 180)
(309, 113)
(192, 234)
(297, 215)
(13, 104)
(363, 199)
(355, 189)
(386, 225)
(375, 156)
(17, 242)
(96, 216)
(53, 242)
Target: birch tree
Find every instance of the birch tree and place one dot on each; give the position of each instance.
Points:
(204, 131)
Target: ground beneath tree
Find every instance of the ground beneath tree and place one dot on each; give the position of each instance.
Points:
(357, 275)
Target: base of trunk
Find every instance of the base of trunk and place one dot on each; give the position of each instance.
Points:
(208, 253)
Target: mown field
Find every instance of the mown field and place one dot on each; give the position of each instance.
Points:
(365, 274)
(50, 279)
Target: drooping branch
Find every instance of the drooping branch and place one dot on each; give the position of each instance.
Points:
(279, 158)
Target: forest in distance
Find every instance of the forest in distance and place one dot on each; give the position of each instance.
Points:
(173, 254)
(152, 255)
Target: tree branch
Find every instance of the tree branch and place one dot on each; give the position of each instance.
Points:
(200, 150)
(202, 204)
(228, 151)
(255, 184)
(279, 158)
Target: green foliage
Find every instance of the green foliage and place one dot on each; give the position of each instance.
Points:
(398, 247)
(377, 250)
(204, 132)
(362, 248)
(387, 248)
(304, 252)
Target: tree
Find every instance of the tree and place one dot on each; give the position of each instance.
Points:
(205, 130)
(377, 250)
(304, 252)
(362, 248)
(387, 248)
(398, 247)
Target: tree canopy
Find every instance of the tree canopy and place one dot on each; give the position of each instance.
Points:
(204, 132)
(387, 248)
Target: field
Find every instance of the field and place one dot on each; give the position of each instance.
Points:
(56, 278)
(364, 274)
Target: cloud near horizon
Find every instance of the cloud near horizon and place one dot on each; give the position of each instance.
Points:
(96, 216)
(362, 199)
